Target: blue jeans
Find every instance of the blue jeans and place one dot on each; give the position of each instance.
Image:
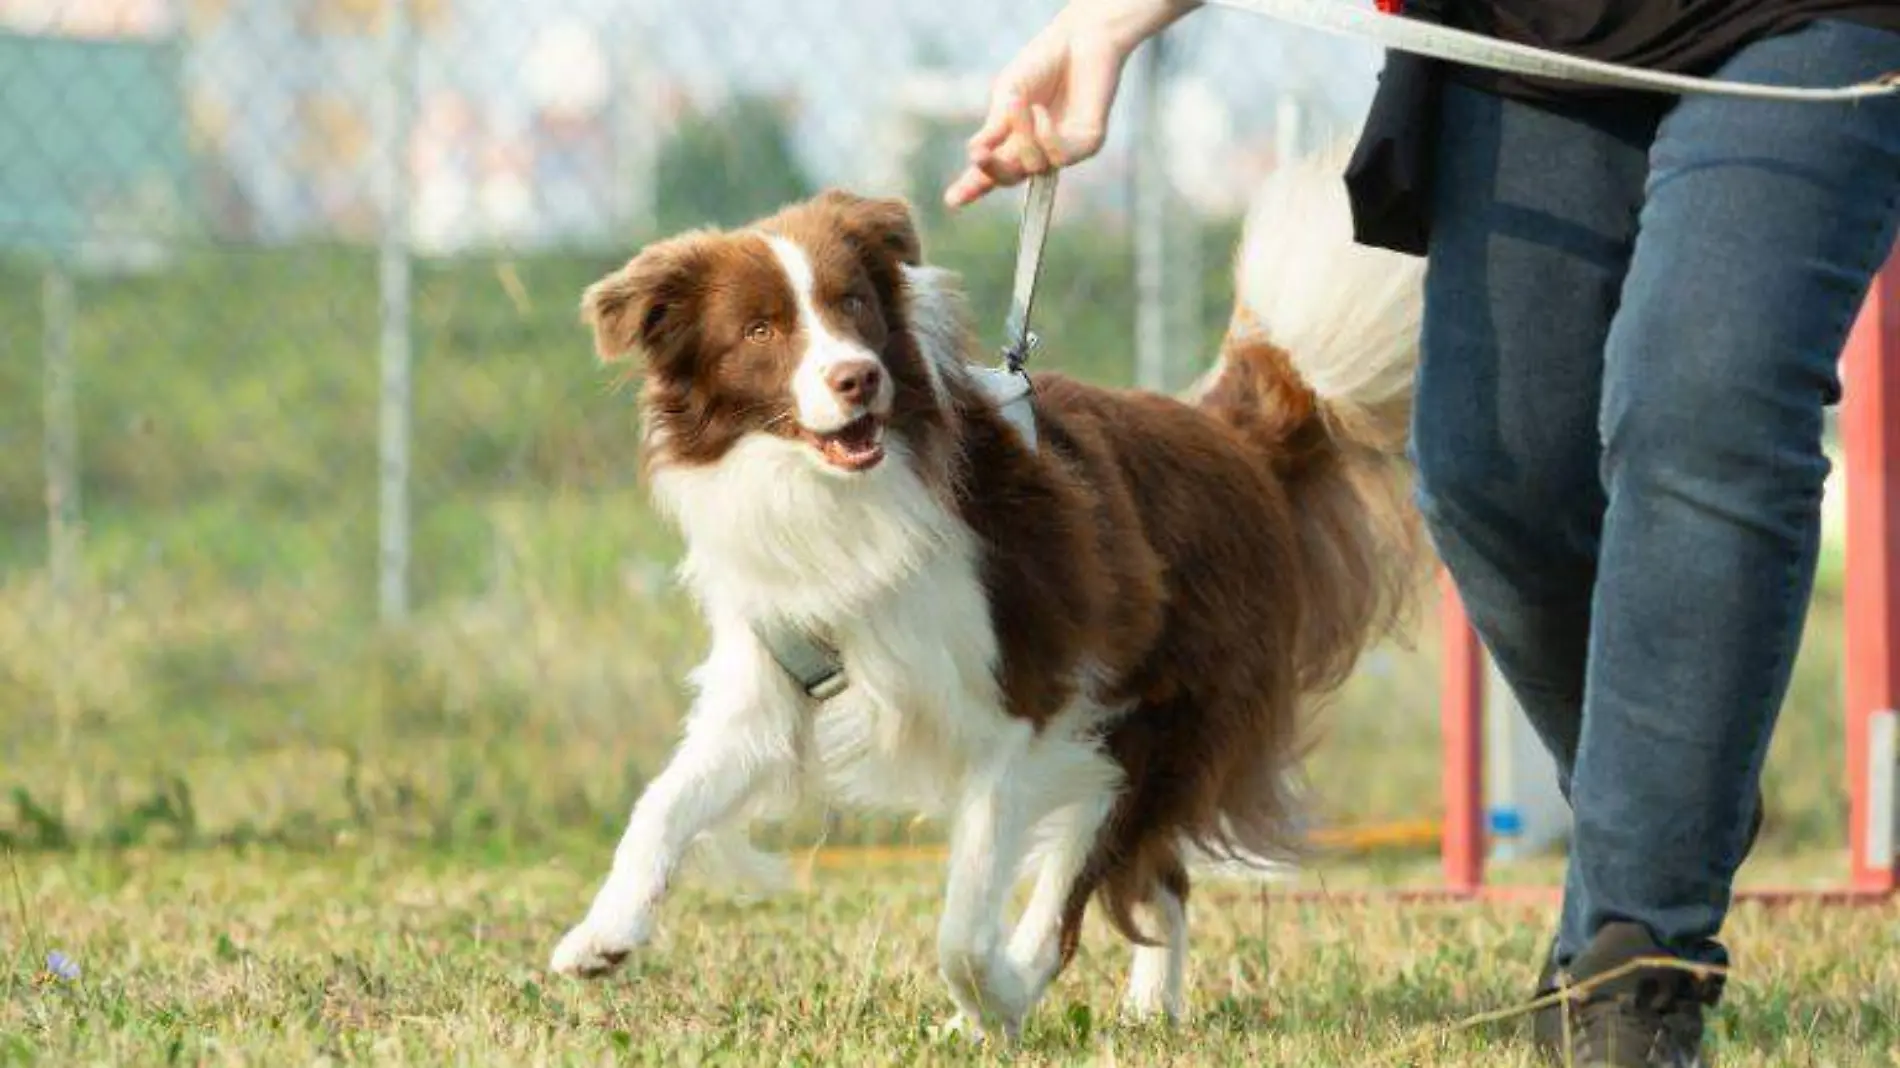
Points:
(1633, 315)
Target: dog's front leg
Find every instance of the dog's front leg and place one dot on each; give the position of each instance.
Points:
(742, 730)
(1069, 836)
(988, 839)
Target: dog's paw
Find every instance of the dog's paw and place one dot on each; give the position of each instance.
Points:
(958, 1028)
(1146, 1013)
(1151, 1004)
(589, 952)
(968, 1030)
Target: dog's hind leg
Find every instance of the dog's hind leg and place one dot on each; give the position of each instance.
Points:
(740, 733)
(1156, 978)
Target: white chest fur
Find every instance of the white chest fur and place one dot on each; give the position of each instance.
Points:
(890, 577)
(923, 702)
(879, 568)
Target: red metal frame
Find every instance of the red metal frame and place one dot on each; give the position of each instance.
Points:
(1461, 717)
(1870, 433)
(1870, 430)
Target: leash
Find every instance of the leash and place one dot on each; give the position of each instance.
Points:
(1476, 50)
(1032, 234)
(809, 660)
(1009, 386)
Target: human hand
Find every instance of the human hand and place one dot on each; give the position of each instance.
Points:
(1049, 107)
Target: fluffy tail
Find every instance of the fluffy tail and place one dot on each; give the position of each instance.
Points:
(1318, 367)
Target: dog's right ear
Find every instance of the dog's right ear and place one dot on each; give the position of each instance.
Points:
(881, 223)
(642, 309)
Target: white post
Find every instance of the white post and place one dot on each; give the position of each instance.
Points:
(63, 530)
(1883, 800)
(632, 111)
(1288, 131)
(895, 139)
(1151, 222)
(394, 430)
(636, 145)
(1184, 280)
(1526, 809)
(61, 443)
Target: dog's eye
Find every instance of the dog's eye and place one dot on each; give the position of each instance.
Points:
(759, 331)
(852, 305)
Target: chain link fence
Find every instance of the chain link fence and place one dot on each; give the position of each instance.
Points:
(318, 521)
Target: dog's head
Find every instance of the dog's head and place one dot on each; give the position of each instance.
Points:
(793, 327)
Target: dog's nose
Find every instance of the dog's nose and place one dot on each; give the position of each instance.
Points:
(854, 381)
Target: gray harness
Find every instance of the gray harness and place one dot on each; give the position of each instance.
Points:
(811, 661)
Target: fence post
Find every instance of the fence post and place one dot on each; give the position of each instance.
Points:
(1151, 224)
(1525, 810)
(394, 336)
(631, 109)
(1288, 129)
(1870, 430)
(64, 529)
(61, 442)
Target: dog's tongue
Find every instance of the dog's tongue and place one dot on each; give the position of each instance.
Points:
(852, 444)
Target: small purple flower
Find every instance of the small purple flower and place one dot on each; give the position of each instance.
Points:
(60, 966)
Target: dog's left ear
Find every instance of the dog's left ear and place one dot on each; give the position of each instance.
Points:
(644, 309)
(882, 223)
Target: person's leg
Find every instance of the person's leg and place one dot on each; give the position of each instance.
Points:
(1762, 226)
(1532, 230)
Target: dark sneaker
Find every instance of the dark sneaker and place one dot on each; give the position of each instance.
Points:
(1547, 1025)
(1627, 1016)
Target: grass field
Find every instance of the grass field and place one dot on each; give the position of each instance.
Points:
(270, 830)
(373, 956)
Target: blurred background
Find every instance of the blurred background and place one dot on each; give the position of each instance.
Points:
(318, 521)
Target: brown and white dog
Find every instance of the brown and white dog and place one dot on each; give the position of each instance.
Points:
(1090, 655)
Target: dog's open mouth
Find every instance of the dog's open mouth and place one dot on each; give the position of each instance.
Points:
(855, 446)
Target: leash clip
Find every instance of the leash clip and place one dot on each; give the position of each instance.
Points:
(1016, 353)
